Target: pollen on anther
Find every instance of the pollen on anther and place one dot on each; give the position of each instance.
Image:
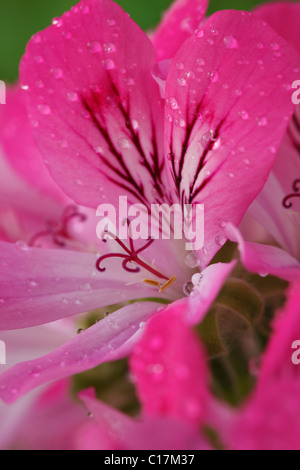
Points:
(168, 283)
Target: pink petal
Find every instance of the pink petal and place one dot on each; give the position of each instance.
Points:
(99, 111)
(26, 345)
(222, 124)
(20, 149)
(271, 419)
(40, 286)
(265, 259)
(23, 209)
(177, 25)
(144, 433)
(111, 338)
(164, 364)
(207, 286)
(54, 421)
(281, 223)
(284, 18)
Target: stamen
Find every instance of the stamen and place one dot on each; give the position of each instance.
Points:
(151, 282)
(60, 233)
(131, 256)
(287, 204)
(168, 283)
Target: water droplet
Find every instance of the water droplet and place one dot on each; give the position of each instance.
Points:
(196, 278)
(39, 59)
(63, 144)
(221, 223)
(200, 33)
(94, 47)
(244, 115)
(124, 143)
(180, 65)
(109, 64)
(220, 240)
(180, 122)
(172, 102)
(188, 288)
(213, 76)
(230, 42)
(135, 124)
(58, 22)
(110, 22)
(210, 41)
(22, 246)
(72, 96)
(109, 47)
(181, 81)
(191, 260)
(275, 46)
(86, 10)
(207, 138)
(37, 39)
(56, 72)
(32, 283)
(263, 274)
(44, 109)
(262, 122)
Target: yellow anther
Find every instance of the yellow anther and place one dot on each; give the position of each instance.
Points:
(151, 282)
(168, 283)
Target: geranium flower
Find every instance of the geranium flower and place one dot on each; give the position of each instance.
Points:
(104, 130)
(172, 380)
(277, 206)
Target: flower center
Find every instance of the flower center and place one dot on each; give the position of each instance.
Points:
(131, 255)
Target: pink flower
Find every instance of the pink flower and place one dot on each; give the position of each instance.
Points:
(104, 130)
(277, 206)
(171, 377)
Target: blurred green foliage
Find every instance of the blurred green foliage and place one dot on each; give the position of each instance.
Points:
(19, 19)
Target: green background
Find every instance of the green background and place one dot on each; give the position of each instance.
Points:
(19, 19)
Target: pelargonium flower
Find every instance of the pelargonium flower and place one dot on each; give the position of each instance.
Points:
(105, 128)
(277, 206)
(172, 380)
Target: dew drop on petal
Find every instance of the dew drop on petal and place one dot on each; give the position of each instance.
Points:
(244, 115)
(44, 109)
(94, 47)
(58, 22)
(56, 72)
(262, 122)
(124, 143)
(172, 102)
(220, 240)
(230, 42)
(188, 288)
(109, 47)
(191, 260)
(109, 64)
(72, 96)
(22, 246)
(196, 278)
(181, 81)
